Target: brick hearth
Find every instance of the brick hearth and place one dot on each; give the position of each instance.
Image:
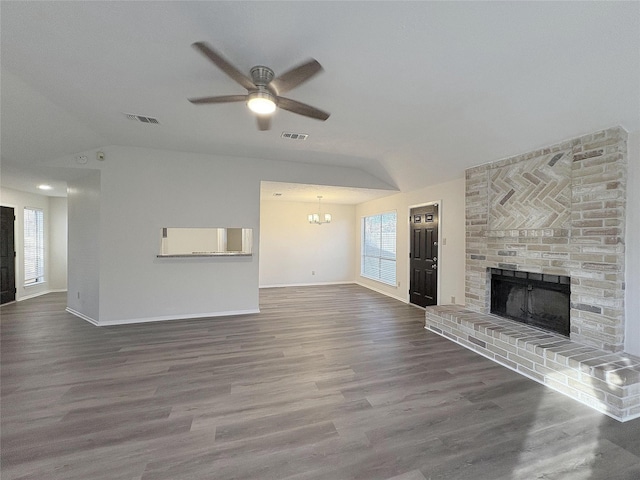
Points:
(608, 382)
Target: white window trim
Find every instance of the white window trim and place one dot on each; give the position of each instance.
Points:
(39, 251)
(363, 274)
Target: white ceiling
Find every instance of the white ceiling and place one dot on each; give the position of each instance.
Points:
(418, 91)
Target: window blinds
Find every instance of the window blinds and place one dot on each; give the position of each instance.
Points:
(379, 248)
(33, 246)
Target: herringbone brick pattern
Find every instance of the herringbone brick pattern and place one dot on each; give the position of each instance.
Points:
(532, 194)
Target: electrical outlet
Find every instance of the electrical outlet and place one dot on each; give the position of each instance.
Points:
(313, 272)
(398, 283)
(453, 299)
(78, 295)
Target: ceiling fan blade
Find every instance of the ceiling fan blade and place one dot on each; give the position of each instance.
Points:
(220, 99)
(224, 65)
(264, 122)
(302, 108)
(295, 76)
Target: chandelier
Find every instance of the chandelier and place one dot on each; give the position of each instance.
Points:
(319, 218)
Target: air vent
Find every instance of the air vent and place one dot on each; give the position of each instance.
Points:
(294, 136)
(142, 118)
(277, 194)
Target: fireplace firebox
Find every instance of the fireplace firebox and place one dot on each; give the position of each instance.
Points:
(537, 299)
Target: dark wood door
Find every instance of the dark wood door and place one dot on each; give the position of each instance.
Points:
(7, 256)
(423, 263)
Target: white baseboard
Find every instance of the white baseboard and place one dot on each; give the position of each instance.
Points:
(305, 284)
(403, 300)
(39, 294)
(164, 318)
(82, 316)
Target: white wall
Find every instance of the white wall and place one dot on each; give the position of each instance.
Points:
(632, 267)
(58, 243)
(55, 249)
(143, 190)
(451, 199)
(83, 199)
(291, 248)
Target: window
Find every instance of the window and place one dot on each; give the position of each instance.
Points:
(379, 248)
(33, 246)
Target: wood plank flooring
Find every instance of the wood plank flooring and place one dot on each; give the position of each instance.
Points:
(327, 382)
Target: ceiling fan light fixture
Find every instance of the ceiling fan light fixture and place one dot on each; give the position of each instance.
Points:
(262, 103)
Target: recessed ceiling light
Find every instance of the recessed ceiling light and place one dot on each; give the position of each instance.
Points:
(45, 187)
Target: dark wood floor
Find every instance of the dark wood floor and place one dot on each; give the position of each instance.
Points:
(331, 382)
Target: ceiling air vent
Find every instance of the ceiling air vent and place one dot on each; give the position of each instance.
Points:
(294, 136)
(142, 118)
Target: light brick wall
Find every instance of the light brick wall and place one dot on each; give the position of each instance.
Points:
(558, 210)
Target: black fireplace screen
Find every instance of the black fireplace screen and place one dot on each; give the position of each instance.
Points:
(536, 299)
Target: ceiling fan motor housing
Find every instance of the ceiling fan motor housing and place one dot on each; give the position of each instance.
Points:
(261, 75)
(264, 98)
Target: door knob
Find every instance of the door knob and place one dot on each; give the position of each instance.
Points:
(435, 259)
(434, 266)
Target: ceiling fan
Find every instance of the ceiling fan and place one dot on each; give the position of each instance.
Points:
(263, 90)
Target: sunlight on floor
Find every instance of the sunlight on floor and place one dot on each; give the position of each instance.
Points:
(540, 457)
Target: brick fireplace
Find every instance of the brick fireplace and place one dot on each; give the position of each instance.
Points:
(556, 211)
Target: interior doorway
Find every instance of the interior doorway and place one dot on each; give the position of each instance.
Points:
(423, 255)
